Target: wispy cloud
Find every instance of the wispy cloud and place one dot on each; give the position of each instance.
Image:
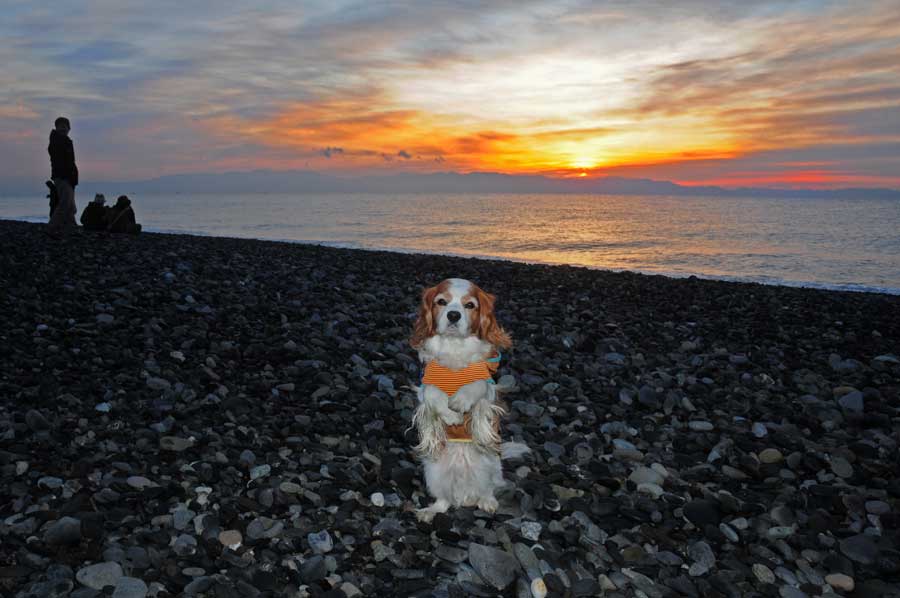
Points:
(727, 92)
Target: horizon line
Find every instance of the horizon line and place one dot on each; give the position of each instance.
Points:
(19, 185)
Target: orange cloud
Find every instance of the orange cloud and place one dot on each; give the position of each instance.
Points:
(367, 135)
(714, 109)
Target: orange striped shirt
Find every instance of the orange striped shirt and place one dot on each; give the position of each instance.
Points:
(450, 381)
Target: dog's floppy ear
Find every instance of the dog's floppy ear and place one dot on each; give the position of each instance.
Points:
(424, 327)
(488, 328)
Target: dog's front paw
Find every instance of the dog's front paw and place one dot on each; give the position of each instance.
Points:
(467, 396)
(452, 418)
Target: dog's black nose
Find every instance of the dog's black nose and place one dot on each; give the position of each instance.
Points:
(453, 316)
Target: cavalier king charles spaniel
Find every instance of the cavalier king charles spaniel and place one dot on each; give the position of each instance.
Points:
(458, 419)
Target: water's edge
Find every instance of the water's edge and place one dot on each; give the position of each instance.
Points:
(804, 245)
(853, 288)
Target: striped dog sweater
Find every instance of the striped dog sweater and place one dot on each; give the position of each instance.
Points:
(450, 381)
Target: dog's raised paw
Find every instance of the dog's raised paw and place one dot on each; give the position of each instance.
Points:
(452, 418)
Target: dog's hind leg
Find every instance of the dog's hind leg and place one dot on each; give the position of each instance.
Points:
(488, 504)
(427, 514)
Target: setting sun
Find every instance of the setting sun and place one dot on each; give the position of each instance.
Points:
(584, 163)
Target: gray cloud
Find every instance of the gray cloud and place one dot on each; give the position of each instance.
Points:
(141, 84)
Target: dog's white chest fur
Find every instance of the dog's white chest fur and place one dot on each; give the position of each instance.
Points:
(454, 352)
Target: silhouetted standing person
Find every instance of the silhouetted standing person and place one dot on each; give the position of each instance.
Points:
(64, 174)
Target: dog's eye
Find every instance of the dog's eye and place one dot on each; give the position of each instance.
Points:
(470, 305)
(441, 302)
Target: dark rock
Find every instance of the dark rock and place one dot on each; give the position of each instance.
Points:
(63, 531)
(702, 512)
(313, 569)
(860, 548)
(496, 567)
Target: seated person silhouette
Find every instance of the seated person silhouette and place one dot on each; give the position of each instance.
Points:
(120, 218)
(94, 215)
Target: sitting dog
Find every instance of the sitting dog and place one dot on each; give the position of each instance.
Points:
(53, 196)
(459, 341)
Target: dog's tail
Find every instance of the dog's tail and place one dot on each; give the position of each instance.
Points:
(513, 450)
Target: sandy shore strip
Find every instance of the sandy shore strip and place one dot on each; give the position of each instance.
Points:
(204, 416)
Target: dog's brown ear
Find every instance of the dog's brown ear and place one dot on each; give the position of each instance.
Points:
(424, 327)
(488, 328)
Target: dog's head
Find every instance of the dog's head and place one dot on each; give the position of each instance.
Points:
(460, 308)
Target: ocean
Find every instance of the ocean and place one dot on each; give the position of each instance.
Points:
(846, 244)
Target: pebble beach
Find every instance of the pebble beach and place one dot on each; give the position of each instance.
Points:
(206, 416)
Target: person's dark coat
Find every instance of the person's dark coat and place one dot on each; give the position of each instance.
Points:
(120, 218)
(94, 217)
(62, 158)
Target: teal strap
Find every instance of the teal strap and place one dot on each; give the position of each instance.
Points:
(494, 360)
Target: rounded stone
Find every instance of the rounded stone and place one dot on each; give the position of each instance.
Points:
(654, 490)
(193, 571)
(860, 548)
(841, 467)
(290, 488)
(158, 384)
(100, 575)
(531, 530)
(763, 573)
(175, 444)
(771, 455)
(729, 532)
(130, 587)
(139, 482)
(780, 532)
(494, 566)
(878, 507)
(66, 530)
(839, 581)
(320, 542)
(231, 538)
(646, 475)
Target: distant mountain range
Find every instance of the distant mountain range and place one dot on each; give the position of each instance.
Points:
(304, 181)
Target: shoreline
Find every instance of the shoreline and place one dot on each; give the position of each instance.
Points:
(189, 414)
(823, 286)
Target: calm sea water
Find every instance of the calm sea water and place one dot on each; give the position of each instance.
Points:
(834, 243)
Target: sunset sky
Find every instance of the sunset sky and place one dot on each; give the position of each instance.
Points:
(800, 94)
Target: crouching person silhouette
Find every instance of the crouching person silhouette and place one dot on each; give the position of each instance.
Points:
(120, 218)
(94, 215)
